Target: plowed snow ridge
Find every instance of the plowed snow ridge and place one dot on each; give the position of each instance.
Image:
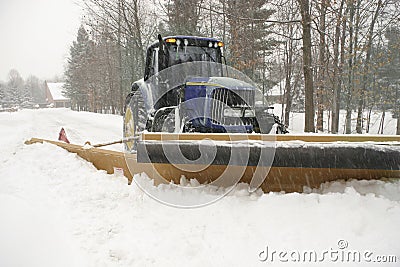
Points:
(58, 210)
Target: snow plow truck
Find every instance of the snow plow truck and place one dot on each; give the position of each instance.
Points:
(192, 115)
(186, 88)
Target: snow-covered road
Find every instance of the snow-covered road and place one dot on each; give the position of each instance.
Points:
(58, 210)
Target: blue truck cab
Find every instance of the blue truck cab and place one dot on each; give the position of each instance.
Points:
(187, 88)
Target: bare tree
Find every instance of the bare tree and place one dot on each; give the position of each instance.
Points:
(366, 72)
(304, 6)
(337, 66)
(322, 7)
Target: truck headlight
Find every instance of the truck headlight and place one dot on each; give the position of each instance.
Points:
(248, 113)
(231, 112)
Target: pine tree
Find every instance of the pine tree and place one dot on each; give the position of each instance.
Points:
(183, 17)
(2, 92)
(36, 91)
(16, 89)
(77, 74)
(250, 42)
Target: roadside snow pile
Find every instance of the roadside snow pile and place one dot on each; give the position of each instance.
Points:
(57, 210)
(389, 189)
(80, 127)
(190, 193)
(67, 213)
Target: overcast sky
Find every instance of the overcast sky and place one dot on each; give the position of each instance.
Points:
(35, 36)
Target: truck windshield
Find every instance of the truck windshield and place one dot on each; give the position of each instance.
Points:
(207, 55)
(179, 54)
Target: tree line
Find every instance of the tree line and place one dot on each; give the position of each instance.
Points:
(326, 56)
(17, 92)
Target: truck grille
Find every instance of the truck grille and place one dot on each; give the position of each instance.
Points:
(237, 99)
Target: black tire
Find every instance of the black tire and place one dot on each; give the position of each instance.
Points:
(164, 121)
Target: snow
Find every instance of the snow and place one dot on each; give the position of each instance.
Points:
(57, 210)
(277, 90)
(296, 121)
(56, 91)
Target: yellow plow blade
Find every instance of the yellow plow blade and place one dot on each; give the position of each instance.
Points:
(299, 160)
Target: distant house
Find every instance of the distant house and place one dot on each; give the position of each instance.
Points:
(54, 96)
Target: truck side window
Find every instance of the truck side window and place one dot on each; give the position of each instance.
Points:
(151, 63)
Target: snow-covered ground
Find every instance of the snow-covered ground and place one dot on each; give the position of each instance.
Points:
(58, 210)
(296, 121)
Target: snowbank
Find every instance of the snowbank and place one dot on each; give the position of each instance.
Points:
(296, 121)
(58, 210)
